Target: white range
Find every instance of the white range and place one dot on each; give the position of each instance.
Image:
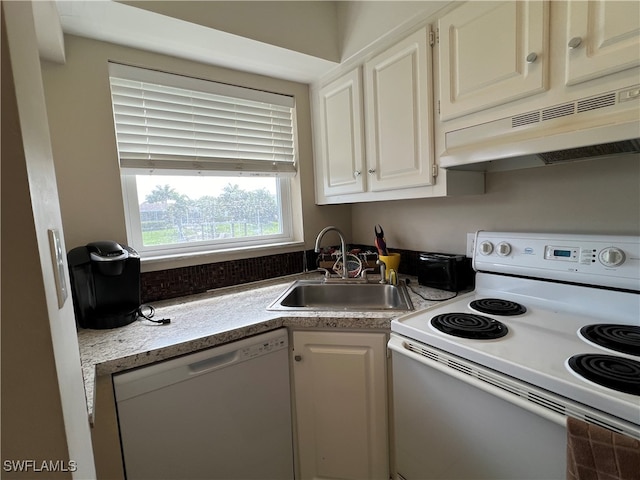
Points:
(552, 330)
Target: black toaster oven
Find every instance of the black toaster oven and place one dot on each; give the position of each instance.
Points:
(445, 271)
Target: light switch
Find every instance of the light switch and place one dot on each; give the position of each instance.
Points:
(57, 257)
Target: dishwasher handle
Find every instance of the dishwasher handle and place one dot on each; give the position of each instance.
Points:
(212, 363)
(162, 374)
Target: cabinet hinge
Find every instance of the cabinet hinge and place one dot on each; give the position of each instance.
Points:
(434, 170)
(434, 37)
(438, 107)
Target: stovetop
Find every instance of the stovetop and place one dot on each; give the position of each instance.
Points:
(540, 340)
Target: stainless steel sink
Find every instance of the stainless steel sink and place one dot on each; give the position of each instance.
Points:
(342, 296)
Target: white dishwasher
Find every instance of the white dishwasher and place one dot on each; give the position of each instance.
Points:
(222, 413)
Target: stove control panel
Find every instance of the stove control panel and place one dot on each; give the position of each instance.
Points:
(611, 261)
(565, 254)
(608, 256)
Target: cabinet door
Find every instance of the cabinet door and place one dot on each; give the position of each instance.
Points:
(341, 405)
(492, 53)
(603, 37)
(398, 115)
(341, 147)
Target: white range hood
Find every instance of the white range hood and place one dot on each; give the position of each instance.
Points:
(595, 126)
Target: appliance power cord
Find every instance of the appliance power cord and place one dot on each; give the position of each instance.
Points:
(407, 281)
(149, 315)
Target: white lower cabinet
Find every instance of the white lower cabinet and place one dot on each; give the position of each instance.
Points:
(340, 389)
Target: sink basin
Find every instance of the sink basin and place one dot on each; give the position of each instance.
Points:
(342, 296)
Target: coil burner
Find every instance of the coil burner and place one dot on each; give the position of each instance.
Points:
(497, 306)
(469, 325)
(618, 373)
(619, 338)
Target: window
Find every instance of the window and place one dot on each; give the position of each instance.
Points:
(204, 166)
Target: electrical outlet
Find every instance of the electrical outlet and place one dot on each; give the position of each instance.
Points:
(471, 243)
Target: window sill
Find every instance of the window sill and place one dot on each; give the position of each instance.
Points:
(152, 263)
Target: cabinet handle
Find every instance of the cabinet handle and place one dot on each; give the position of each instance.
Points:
(298, 358)
(357, 173)
(371, 171)
(532, 57)
(575, 42)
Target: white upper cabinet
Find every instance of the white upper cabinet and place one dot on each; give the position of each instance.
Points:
(341, 148)
(398, 115)
(492, 53)
(603, 37)
(374, 127)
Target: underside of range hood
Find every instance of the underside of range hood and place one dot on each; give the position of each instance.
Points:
(592, 151)
(588, 128)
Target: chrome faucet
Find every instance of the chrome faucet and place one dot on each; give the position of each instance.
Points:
(343, 247)
(383, 269)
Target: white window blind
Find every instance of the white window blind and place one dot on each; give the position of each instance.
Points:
(169, 123)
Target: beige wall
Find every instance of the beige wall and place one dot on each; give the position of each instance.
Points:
(44, 408)
(361, 23)
(84, 146)
(308, 27)
(333, 30)
(595, 196)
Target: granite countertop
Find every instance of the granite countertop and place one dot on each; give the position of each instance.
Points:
(213, 318)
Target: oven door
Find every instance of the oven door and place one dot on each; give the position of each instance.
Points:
(450, 425)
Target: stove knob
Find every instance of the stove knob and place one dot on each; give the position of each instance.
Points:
(611, 257)
(486, 248)
(503, 249)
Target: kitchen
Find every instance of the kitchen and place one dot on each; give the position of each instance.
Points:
(583, 197)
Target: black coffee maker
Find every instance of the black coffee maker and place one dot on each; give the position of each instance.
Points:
(105, 284)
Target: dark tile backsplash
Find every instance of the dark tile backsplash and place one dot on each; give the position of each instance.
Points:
(178, 282)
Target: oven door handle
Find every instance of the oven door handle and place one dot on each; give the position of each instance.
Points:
(399, 345)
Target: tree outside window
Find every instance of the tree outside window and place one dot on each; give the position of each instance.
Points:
(170, 216)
